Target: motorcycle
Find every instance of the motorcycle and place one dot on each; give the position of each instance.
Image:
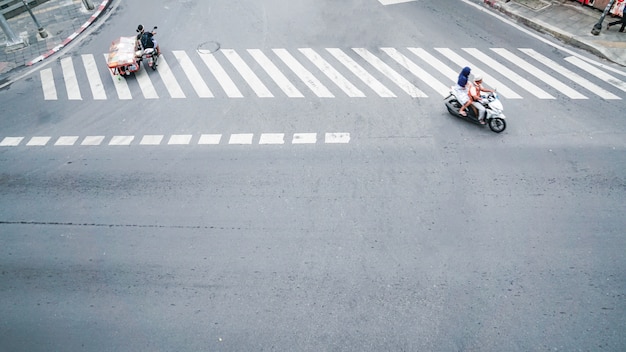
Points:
(494, 118)
(149, 54)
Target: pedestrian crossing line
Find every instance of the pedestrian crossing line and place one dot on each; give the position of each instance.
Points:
(177, 139)
(146, 85)
(596, 72)
(304, 138)
(583, 82)
(66, 141)
(193, 75)
(92, 140)
(505, 71)
(171, 84)
(71, 82)
(332, 74)
(279, 78)
(121, 140)
(38, 141)
(272, 138)
(11, 141)
(220, 74)
(47, 84)
(440, 88)
(248, 75)
(436, 64)
(361, 73)
(93, 76)
(121, 87)
(533, 70)
(206, 139)
(151, 140)
(307, 77)
(503, 90)
(394, 76)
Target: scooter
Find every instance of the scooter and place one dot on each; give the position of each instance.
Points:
(494, 118)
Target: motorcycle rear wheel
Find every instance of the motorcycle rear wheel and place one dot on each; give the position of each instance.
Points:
(497, 125)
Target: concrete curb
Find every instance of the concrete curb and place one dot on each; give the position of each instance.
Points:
(101, 8)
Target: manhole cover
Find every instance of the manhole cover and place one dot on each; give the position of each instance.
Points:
(208, 47)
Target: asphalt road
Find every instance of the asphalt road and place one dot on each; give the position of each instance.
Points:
(422, 233)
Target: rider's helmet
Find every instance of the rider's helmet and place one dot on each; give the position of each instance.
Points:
(140, 28)
(478, 78)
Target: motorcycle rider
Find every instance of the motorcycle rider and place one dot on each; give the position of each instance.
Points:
(461, 89)
(474, 94)
(147, 39)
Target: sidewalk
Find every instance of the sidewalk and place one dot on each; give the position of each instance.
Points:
(570, 22)
(63, 20)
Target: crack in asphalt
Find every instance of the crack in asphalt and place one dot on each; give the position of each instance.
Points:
(54, 223)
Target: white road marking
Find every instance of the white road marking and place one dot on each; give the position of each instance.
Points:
(510, 74)
(11, 141)
(546, 78)
(304, 138)
(123, 92)
(47, 84)
(66, 140)
(489, 80)
(307, 77)
(179, 139)
(603, 93)
(241, 138)
(121, 140)
(436, 63)
(38, 141)
(220, 74)
(71, 82)
(272, 138)
(93, 76)
(439, 87)
(92, 140)
(394, 2)
(279, 78)
(361, 73)
(151, 140)
(332, 74)
(331, 138)
(597, 72)
(210, 139)
(145, 83)
(193, 75)
(394, 76)
(169, 80)
(248, 75)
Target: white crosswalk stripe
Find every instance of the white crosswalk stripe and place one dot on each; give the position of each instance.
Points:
(246, 72)
(47, 84)
(279, 78)
(331, 73)
(491, 81)
(583, 82)
(442, 89)
(549, 80)
(93, 76)
(597, 72)
(71, 82)
(353, 73)
(171, 84)
(220, 74)
(119, 82)
(307, 77)
(360, 72)
(193, 75)
(397, 78)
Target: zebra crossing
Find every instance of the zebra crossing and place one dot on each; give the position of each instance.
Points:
(331, 73)
(177, 139)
